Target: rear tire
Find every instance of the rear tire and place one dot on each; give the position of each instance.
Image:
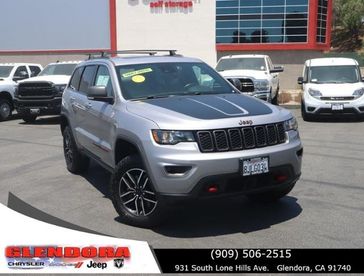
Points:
(76, 162)
(272, 195)
(134, 196)
(29, 118)
(5, 109)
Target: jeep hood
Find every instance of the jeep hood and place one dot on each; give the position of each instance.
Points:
(254, 74)
(56, 79)
(336, 89)
(203, 111)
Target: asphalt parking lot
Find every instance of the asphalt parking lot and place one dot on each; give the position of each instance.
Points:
(325, 210)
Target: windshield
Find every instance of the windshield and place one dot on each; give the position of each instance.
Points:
(58, 69)
(241, 64)
(334, 74)
(153, 80)
(5, 71)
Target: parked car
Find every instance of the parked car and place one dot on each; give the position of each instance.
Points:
(258, 76)
(42, 95)
(165, 135)
(331, 86)
(10, 74)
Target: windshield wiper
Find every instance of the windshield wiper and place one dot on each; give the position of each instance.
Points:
(151, 97)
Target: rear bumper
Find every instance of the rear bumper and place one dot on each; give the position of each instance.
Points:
(39, 106)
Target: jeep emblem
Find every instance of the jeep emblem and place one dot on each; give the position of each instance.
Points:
(245, 123)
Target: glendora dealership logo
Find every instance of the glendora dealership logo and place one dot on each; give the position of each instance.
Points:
(38, 257)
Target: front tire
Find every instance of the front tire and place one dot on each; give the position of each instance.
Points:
(275, 99)
(76, 162)
(134, 196)
(5, 109)
(305, 116)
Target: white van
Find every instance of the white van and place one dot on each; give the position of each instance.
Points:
(331, 86)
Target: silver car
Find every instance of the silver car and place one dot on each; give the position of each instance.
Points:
(171, 128)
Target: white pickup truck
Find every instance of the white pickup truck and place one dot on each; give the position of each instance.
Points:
(10, 74)
(256, 73)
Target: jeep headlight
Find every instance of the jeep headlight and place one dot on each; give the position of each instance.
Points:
(172, 137)
(261, 85)
(60, 88)
(291, 124)
(314, 93)
(358, 93)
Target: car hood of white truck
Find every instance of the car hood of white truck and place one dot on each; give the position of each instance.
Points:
(254, 74)
(56, 79)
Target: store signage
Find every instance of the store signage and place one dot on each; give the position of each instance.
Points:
(171, 4)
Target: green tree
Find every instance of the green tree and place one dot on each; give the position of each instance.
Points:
(349, 14)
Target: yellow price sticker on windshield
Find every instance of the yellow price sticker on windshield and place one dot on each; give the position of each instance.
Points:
(138, 78)
(138, 72)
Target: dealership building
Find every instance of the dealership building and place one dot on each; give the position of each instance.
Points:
(290, 31)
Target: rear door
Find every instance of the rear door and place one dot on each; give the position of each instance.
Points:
(80, 107)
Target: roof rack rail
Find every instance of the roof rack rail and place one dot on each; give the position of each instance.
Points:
(106, 54)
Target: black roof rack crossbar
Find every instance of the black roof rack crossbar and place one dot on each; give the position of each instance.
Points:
(106, 54)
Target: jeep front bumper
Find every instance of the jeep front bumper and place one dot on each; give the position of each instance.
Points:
(182, 170)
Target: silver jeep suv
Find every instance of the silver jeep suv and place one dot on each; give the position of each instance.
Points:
(170, 127)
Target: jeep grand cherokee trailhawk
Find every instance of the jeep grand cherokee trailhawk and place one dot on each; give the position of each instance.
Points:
(169, 128)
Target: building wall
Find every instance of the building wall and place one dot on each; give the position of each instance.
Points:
(191, 31)
(57, 25)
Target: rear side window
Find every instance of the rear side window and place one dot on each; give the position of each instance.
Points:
(34, 71)
(87, 78)
(76, 78)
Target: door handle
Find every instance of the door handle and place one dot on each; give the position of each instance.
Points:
(72, 99)
(88, 105)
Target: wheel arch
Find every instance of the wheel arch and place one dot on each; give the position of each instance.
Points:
(124, 147)
(63, 122)
(6, 95)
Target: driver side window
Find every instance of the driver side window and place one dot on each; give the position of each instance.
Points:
(21, 72)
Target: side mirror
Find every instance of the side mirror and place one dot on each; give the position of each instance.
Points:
(300, 81)
(99, 93)
(236, 82)
(277, 69)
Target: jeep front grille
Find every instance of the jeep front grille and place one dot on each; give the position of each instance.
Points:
(35, 90)
(241, 138)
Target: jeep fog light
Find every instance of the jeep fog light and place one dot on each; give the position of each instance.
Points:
(172, 137)
(291, 124)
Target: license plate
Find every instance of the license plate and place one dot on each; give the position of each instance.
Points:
(254, 166)
(337, 107)
(34, 111)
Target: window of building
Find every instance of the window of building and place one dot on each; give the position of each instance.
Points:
(321, 21)
(261, 21)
